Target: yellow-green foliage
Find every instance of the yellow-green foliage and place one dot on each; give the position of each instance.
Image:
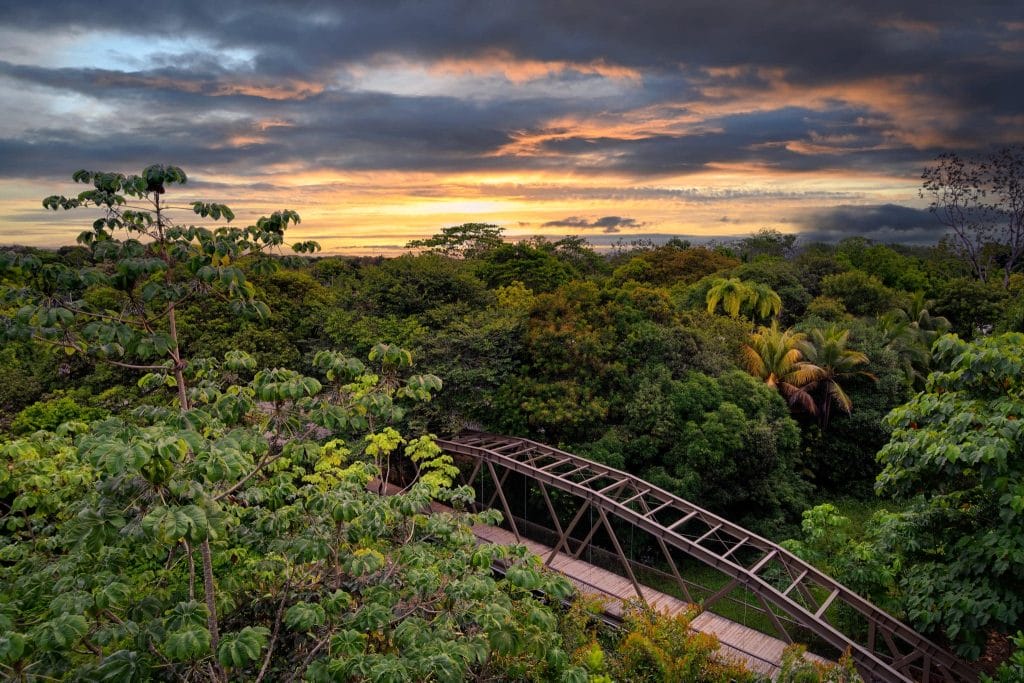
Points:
(798, 669)
(663, 649)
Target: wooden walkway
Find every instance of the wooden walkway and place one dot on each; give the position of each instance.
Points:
(759, 652)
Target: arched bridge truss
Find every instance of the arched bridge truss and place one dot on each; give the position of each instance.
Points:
(796, 598)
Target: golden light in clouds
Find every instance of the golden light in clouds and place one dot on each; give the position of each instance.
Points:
(377, 146)
(378, 212)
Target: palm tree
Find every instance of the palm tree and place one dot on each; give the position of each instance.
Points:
(905, 341)
(827, 351)
(929, 327)
(776, 357)
(736, 295)
(764, 301)
(731, 292)
(909, 332)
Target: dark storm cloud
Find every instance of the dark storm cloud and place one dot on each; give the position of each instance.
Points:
(886, 223)
(609, 224)
(255, 85)
(607, 241)
(823, 38)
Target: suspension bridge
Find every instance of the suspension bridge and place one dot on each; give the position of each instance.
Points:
(584, 519)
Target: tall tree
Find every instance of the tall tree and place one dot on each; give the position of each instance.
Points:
(736, 296)
(776, 356)
(468, 240)
(981, 202)
(833, 361)
(731, 292)
(909, 333)
(302, 570)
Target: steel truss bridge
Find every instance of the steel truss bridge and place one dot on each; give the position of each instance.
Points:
(800, 602)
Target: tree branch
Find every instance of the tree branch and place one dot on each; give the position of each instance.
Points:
(273, 637)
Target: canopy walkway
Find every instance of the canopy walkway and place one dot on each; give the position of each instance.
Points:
(799, 602)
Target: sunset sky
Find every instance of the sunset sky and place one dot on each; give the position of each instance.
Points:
(381, 122)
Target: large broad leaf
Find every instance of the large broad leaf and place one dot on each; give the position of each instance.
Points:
(62, 632)
(12, 647)
(365, 561)
(185, 615)
(115, 594)
(123, 665)
(303, 616)
(187, 644)
(171, 524)
(347, 643)
(244, 647)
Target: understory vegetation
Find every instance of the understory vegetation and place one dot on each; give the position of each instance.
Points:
(195, 428)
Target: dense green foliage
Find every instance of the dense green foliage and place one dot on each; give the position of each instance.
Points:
(957, 458)
(223, 522)
(224, 495)
(952, 558)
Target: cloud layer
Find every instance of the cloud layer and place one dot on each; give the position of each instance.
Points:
(380, 121)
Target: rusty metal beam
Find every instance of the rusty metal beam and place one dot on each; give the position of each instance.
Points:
(622, 556)
(504, 503)
(564, 540)
(668, 557)
(551, 511)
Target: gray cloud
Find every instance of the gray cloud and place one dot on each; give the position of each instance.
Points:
(609, 224)
(248, 86)
(886, 223)
(167, 100)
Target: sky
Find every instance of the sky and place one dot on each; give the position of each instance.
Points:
(381, 122)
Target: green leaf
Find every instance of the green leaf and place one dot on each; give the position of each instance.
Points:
(188, 644)
(62, 632)
(348, 643)
(124, 665)
(303, 616)
(365, 561)
(171, 524)
(112, 595)
(187, 614)
(238, 649)
(12, 647)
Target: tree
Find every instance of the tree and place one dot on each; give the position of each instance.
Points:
(861, 294)
(735, 295)
(782, 277)
(143, 335)
(534, 265)
(672, 263)
(411, 285)
(469, 240)
(263, 474)
(892, 268)
(956, 462)
(830, 361)
(731, 292)
(909, 333)
(766, 242)
(981, 202)
(763, 301)
(146, 275)
(973, 307)
(776, 356)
